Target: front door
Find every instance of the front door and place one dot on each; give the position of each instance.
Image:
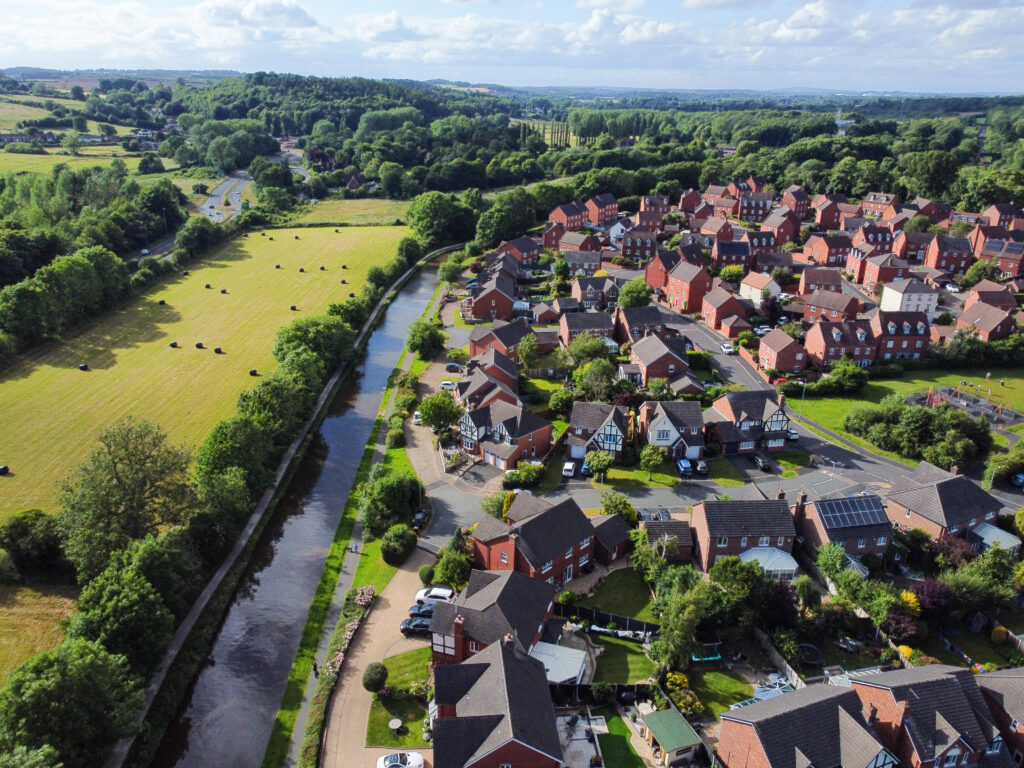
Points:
(567, 574)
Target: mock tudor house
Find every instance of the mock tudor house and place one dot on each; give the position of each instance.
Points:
(573, 324)
(759, 531)
(909, 296)
(570, 215)
(831, 306)
(502, 434)
(525, 250)
(827, 342)
(940, 503)
(780, 352)
(858, 524)
(602, 209)
(820, 279)
(900, 335)
(675, 425)
(596, 427)
(720, 304)
(493, 710)
(503, 337)
(493, 605)
(595, 292)
(743, 422)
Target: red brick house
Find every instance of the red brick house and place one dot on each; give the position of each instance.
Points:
(827, 342)
(720, 304)
(781, 352)
(678, 532)
(734, 325)
(689, 200)
(900, 335)
(754, 206)
(639, 244)
(828, 305)
(553, 236)
(572, 325)
(675, 425)
(988, 322)
(658, 358)
(993, 294)
(717, 226)
(1003, 691)
(650, 220)
(876, 238)
(797, 200)
(743, 422)
(726, 253)
(965, 217)
(731, 528)
(912, 245)
(577, 241)
(582, 263)
(497, 366)
(494, 710)
(572, 215)
(495, 299)
(713, 193)
(1006, 255)
(984, 232)
(950, 254)
(525, 250)
(875, 203)
(857, 524)
(726, 207)
(602, 209)
(829, 250)
(939, 502)
(826, 209)
(1001, 214)
(686, 287)
(656, 204)
(544, 313)
(595, 292)
(760, 242)
(857, 263)
(503, 337)
(634, 323)
(478, 390)
(820, 279)
(782, 223)
(502, 434)
(884, 268)
(657, 269)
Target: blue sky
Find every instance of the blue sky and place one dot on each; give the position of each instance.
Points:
(910, 45)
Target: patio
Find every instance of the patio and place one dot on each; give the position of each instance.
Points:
(579, 738)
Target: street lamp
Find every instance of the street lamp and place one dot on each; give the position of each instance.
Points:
(803, 396)
(831, 475)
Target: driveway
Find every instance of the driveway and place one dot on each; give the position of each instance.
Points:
(378, 639)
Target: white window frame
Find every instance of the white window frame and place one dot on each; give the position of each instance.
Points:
(723, 541)
(764, 541)
(504, 557)
(547, 566)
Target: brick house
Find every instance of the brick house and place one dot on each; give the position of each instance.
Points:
(595, 323)
(493, 605)
(1006, 255)
(1003, 691)
(582, 263)
(820, 279)
(732, 528)
(634, 323)
(596, 427)
(742, 422)
(665, 531)
(900, 335)
(984, 232)
(655, 203)
(875, 237)
(734, 325)
(826, 209)
(686, 287)
(502, 434)
(713, 193)
(857, 263)
(639, 244)
(754, 206)
(827, 342)
(725, 253)
(495, 710)
(993, 294)
(950, 254)
(828, 305)
(478, 390)
(689, 200)
(797, 200)
(760, 242)
(909, 296)
(611, 538)
(883, 268)
(781, 352)
(552, 235)
(720, 304)
(602, 209)
(525, 250)
(782, 223)
(653, 357)
(988, 322)
(966, 217)
(1001, 214)
(829, 250)
(675, 425)
(657, 269)
(717, 226)
(495, 299)
(726, 207)
(939, 502)
(856, 523)
(544, 313)
(577, 241)
(595, 292)
(565, 304)
(572, 215)
(912, 245)
(650, 220)
(754, 284)
(875, 203)
(503, 337)
(498, 366)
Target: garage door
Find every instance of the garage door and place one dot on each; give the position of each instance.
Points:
(577, 452)
(693, 452)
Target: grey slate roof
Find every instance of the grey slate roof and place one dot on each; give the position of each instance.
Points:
(942, 497)
(508, 699)
(750, 404)
(588, 321)
(641, 316)
(592, 416)
(769, 517)
(544, 536)
(496, 359)
(831, 300)
(610, 530)
(912, 285)
(651, 348)
(566, 304)
(518, 422)
(673, 529)
(1006, 689)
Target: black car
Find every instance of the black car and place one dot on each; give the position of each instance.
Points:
(761, 462)
(418, 626)
(419, 519)
(421, 611)
(453, 368)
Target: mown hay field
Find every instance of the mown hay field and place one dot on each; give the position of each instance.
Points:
(355, 211)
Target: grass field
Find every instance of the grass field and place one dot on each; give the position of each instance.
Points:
(622, 661)
(31, 618)
(791, 461)
(12, 112)
(11, 162)
(665, 476)
(358, 211)
(615, 746)
(624, 593)
(53, 412)
(718, 689)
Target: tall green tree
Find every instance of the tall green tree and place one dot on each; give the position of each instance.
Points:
(439, 411)
(651, 456)
(425, 339)
(635, 293)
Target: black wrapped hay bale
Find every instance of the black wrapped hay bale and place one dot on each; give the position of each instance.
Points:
(199, 345)
(323, 268)
(208, 285)
(277, 266)
(302, 269)
(162, 302)
(252, 372)
(83, 367)
(294, 308)
(351, 295)
(173, 345)
(223, 290)
(218, 351)
(296, 237)
(343, 281)
(4, 469)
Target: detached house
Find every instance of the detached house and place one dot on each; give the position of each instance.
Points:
(596, 427)
(797, 200)
(495, 299)
(502, 337)
(858, 524)
(657, 269)
(602, 209)
(582, 263)
(720, 228)
(675, 425)
(909, 296)
(993, 294)
(1007, 255)
(525, 250)
(988, 322)
(783, 223)
(829, 250)
(874, 238)
(656, 203)
(950, 254)
(754, 206)
(572, 325)
(912, 245)
(1003, 691)
(498, 366)
(760, 531)
(940, 503)
(552, 235)
(502, 434)
(760, 242)
(577, 241)
(828, 305)
(1000, 214)
(572, 215)
(780, 352)
(634, 323)
(657, 358)
(742, 422)
(595, 292)
(714, 193)
(689, 200)
(827, 342)
(720, 304)
(726, 253)
(820, 279)
(477, 390)
(753, 286)
(883, 268)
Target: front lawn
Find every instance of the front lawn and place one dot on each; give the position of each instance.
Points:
(624, 593)
(718, 689)
(791, 461)
(723, 472)
(665, 476)
(615, 745)
(622, 661)
(403, 670)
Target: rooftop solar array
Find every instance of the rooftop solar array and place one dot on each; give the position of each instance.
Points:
(851, 512)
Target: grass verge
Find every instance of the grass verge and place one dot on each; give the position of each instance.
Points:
(665, 476)
(791, 461)
(723, 472)
(403, 670)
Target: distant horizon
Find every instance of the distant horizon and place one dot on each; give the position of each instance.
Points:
(858, 46)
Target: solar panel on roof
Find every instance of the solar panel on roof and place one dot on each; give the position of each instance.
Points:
(851, 512)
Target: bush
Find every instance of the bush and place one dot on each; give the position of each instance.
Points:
(999, 635)
(397, 544)
(566, 596)
(426, 574)
(524, 476)
(34, 545)
(375, 676)
(395, 438)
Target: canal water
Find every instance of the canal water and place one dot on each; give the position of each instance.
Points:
(226, 718)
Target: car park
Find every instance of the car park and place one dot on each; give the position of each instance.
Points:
(569, 469)
(448, 386)
(728, 348)
(401, 760)
(685, 467)
(761, 462)
(792, 434)
(702, 467)
(453, 368)
(436, 594)
(421, 611)
(418, 626)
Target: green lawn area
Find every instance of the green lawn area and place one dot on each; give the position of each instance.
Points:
(539, 392)
(790, 461)
(552, 476)
(833, 654)
(356, 211)
(664, 476)
(624, 593)
(723, 472)
(11, 162)
(403, 670)
(615, 746)
(980, 648)
(622, 662)
(718, 689)
(46, 401)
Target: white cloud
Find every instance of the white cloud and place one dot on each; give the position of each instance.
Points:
(700, 5)
(621, 5)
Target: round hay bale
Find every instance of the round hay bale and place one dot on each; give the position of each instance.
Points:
(263, 234)
(351, 295)
(252, 372)
(344, 266)
(343, 281)
(302, 269)
(185, 272)
(335, 230)
(270, 238)
(208, 285)
(218, 351)
(277, 266)
(296, 237)
(173, 345)
(294, 309)
(223, 290)
(4, 469)
(245, 234)
(199, 345)
(162, 302)
(323, 268)
(83, 367)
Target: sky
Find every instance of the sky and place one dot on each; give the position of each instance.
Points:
(961, 46)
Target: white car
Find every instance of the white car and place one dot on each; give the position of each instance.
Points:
(435, 595)
(417, 419)
(728, 348)
(953, 288)
(448, 386)
(568, 469)
(401, 760)
(763, 330)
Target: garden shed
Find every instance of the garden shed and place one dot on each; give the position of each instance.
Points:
(668, 730)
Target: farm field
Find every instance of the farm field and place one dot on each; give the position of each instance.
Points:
(12, 162)
(52, 412)
(12, 112)
(32, 619)
(357, 211)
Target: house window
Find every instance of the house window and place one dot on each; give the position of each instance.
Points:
(547, 566)
(504, 557)
(585, 543)
(743, 541)
(764, 541)
(723, 541)
(881, 541)
(781, 541)
(952, 757)
(584, 559)
(908, 513)
(974, 520)
(663, 434)
(954, 528)
(861, 543)
(568, 552)
(989, 515)
(474, 646)
(1014, 725)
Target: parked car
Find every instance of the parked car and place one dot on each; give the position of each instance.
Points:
(728, 348)
(417, 419)
(436, 594)
(792, 434)
(420, 518)
(448, 386)
(569, 469)
(418, 626)
(401, 760)
(585, 470)
(685, 467)
(702, 467)
(761, 462)
(424, 611)
(453, 368)
(763, 330)
(144, 252)
(953, 288)
(1018, 480)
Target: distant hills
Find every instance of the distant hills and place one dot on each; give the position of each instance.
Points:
(192, 76)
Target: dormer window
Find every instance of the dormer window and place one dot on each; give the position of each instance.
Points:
(906, 329)
(891, 327)
(836, 334)
(861, 335)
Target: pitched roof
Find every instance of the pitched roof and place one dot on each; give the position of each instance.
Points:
(593, 416)
(854, 517)
(848, 333)
(501, 283)
(602, 199)
(604, 284)
(652, 347)
(757, 280)
(670, 529)
(610, 530)
(755, 405)
(719, 296)
(732, 248)
(942, 497)
(946, 244)
(715, 223)
(913, 285)
(522, 244)
(495, 359)
(575, 238)
(765, 517)
(670, 730)
(517, 422)
(1006, 688)
(509, 334)
(544, 535)
(641, 316)
(778, 340)
(685, 271)
(588, 321)
(575, 208)
(476, 385)
(777, 217)
(565, 304)
(823, 275)
(831, 300)
(508, 699)
(983, 316)
(581, 257)
(681, 413)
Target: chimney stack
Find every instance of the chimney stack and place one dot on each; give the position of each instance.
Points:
(801, 503)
